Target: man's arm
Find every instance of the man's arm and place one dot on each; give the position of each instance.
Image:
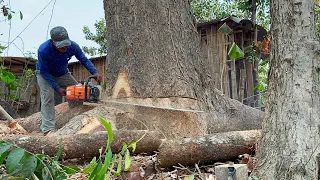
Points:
(44, 71)
(84, 60)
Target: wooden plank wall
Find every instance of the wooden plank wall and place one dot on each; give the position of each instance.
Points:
(215, 50)
(232, 77)
(80, 73)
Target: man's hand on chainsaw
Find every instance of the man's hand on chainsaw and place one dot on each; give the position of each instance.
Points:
(62, 91)
(99, 77)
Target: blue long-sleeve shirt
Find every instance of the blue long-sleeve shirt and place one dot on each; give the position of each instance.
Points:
(51, 63)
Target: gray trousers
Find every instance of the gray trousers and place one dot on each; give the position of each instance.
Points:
(47, 95)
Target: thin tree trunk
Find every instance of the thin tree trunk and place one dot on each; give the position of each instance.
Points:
(256, 63)
(290, 141)
(157, 45)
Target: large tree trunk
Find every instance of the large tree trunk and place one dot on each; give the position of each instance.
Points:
(289, 146)
(86, 145)
(154, 52)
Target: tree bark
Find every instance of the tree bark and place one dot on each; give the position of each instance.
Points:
(290, 140)
(157, 45)
(86, 145)
(220, 146)
(186, 151)
(88, 121)
(63, 115)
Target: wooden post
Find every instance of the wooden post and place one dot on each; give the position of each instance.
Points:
(250, 84)
(234, 80)
(242, 84)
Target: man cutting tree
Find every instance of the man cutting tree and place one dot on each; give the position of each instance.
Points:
(53, 73)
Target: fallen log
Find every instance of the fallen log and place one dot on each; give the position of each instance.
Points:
(86, 145)
(63, 115)
(220, 146)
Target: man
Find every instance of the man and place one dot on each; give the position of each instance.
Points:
(53, 73)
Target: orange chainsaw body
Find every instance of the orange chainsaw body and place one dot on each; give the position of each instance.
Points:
(77, 92)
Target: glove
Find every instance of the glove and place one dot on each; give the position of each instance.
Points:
(62, 91)
(99, 77)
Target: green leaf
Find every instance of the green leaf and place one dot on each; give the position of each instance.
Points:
(29, 165)
(7, 77)
(70, 169)
(119, 168)
(108, 127)
(235, 52)
(225, 29)
(189, 177)
(127, 162)
(90, 167)
(106, 164)
(59, 153)
(3, 156)
(95, 171)
(9, 16)
(13, 159)
(259, 87)
(13, 86)
(124, 148)
(133, 145)
(13, 96)
(4, 146)
(21, 15)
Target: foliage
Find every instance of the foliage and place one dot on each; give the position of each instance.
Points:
(99, 38)
(9, 80)
(103, 169)
(31, 55)
(206, 10)
(22, 164)
(259, 53)
(7, 12)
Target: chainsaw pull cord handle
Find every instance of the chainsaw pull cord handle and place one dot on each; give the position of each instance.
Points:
(86, 86)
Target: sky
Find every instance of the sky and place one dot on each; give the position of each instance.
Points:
(71, 14)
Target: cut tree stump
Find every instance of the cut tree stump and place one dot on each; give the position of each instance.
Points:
(88, 121)
(220, 146)
(86, 145)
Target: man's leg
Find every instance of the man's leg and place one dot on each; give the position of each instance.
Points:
(47, 104)
(65, 81)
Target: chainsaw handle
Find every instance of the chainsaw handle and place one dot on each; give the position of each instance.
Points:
(92, 77)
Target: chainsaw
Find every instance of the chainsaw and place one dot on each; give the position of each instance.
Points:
(85, 91)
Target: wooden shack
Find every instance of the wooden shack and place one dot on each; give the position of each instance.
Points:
(80, 73)
(232, 77)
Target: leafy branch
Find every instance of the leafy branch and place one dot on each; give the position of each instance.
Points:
(21, 164)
